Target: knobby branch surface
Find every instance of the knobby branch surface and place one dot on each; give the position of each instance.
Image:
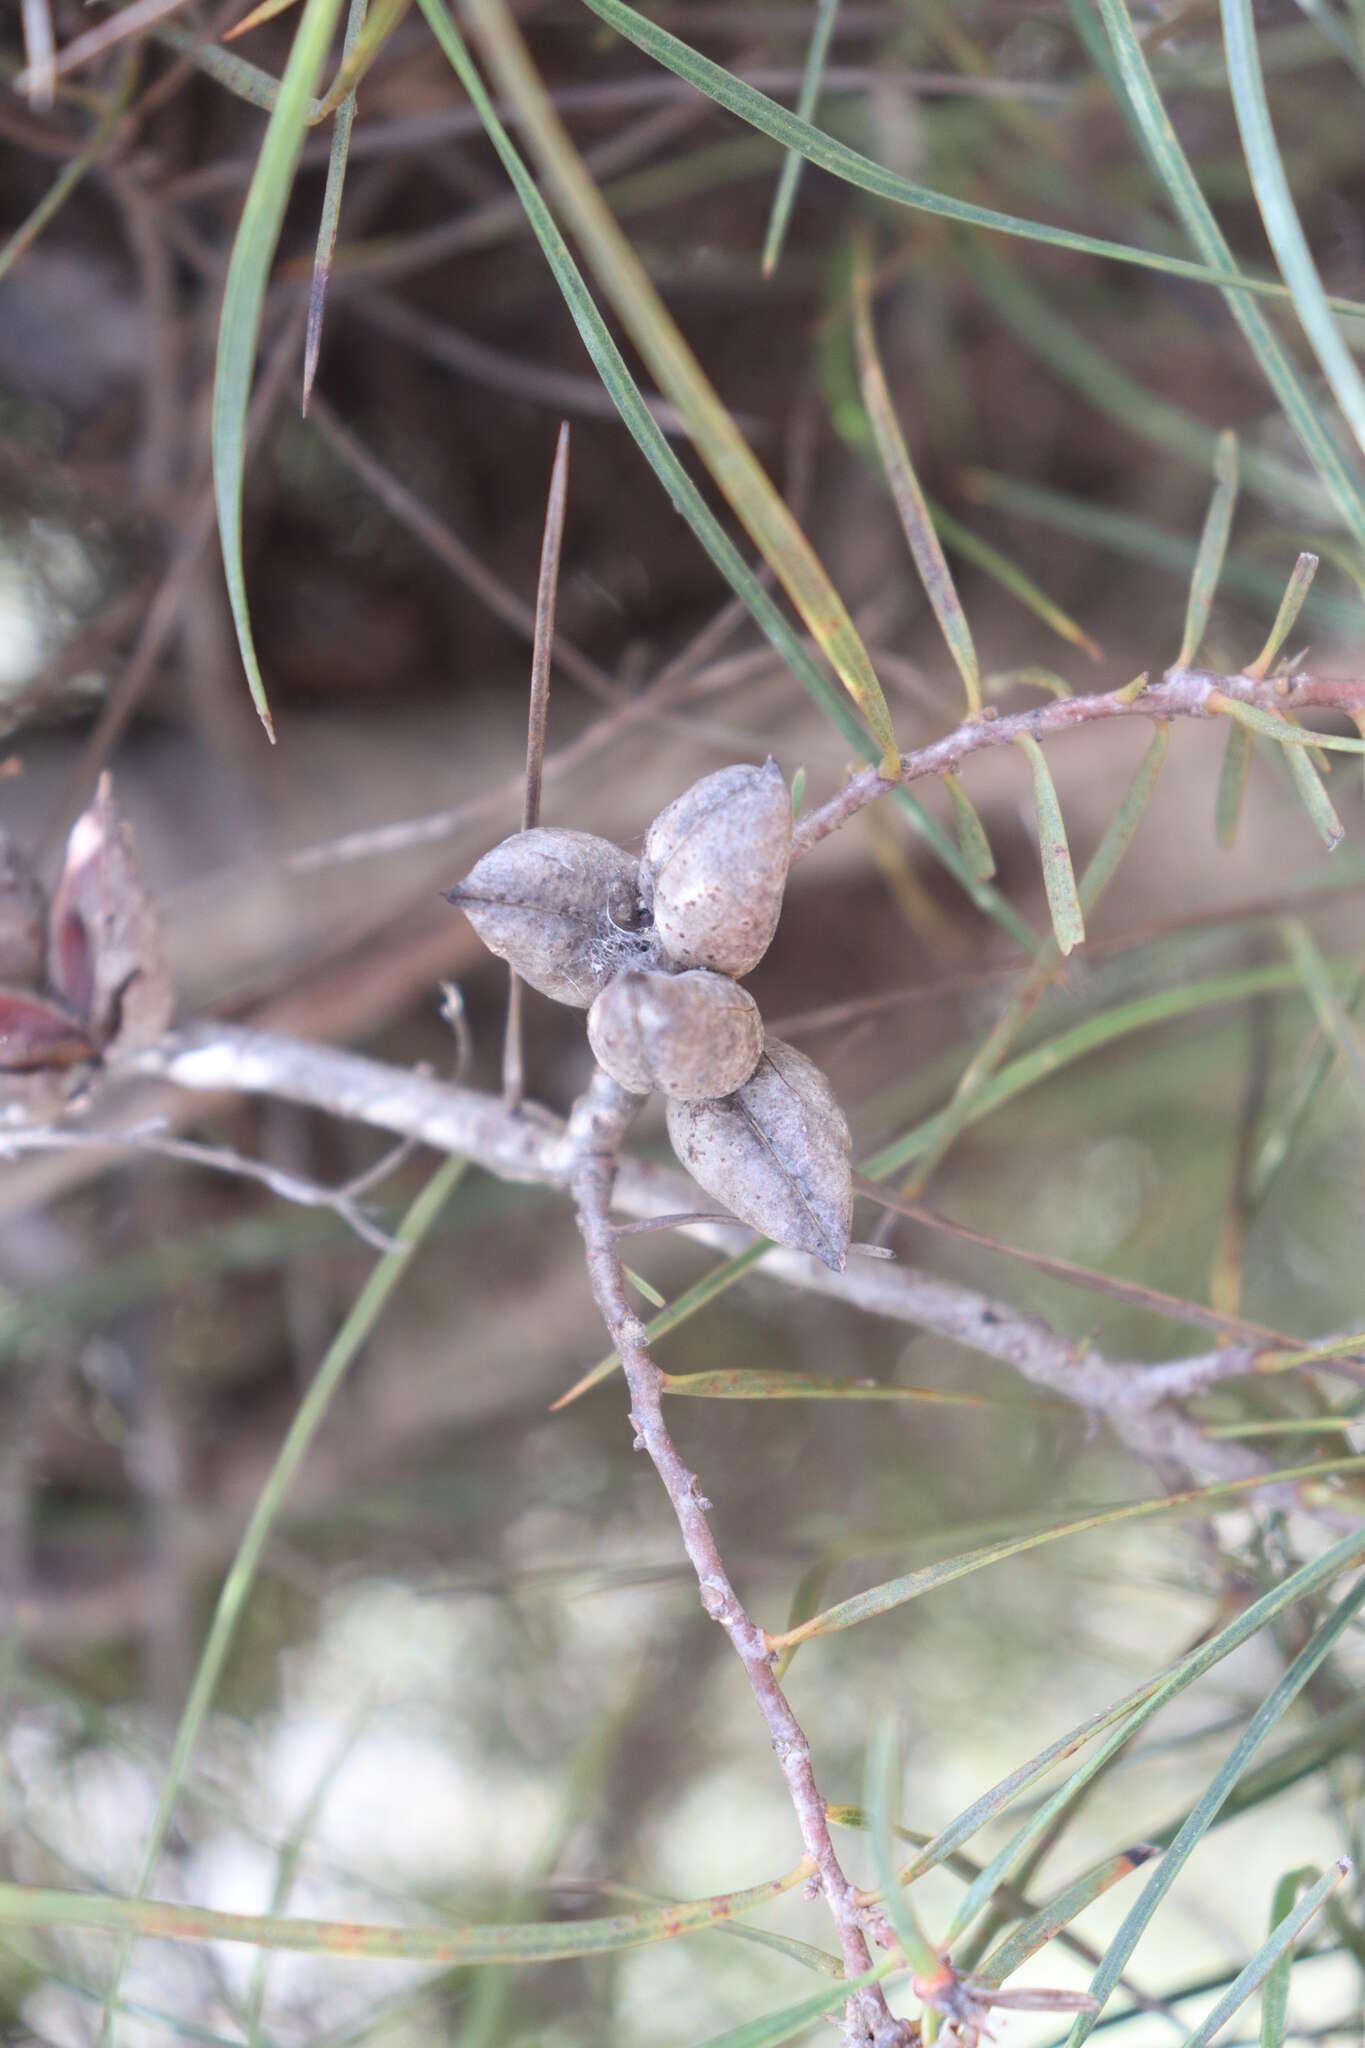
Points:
(1181, 693)
(1139, 1401)
(596, 1130)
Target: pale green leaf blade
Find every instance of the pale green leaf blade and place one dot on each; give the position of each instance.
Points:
(451, 1946)
(1059, 877)
(998, 566)
(253, 251)
(1282, 225)
(770, 118)
(1201, 1818)
(925, 546)
(1213, 547)
(312, 1410)
(1291, 604)
(1173, 167)
(784, 199)
(1129, 1713)
(1275, 1997)
(1232, 785)
(331, 208)
(636, 416)
(757, 1383)
(1273, 727)
(1334, 1019)
(1041, 1927)
(627, 284)
(893, 1593)
(881, 1799)
(1314, 798)
(971, 833)
(1268, 1956)
(776, 2027)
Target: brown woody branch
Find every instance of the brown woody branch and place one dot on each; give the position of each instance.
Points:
(596, 1130)
(1137, 1400)
(1181, 693)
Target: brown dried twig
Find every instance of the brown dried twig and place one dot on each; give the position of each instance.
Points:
(597, 1128)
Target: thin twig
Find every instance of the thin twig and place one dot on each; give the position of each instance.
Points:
(152, 1139)
(547, 590)
(1181, 693)
(597, 1126)
(1136, 1399)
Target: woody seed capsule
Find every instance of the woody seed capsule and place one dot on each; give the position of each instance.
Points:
(715, 866)
(776, 1152)
(560, 907)
(688, 1035)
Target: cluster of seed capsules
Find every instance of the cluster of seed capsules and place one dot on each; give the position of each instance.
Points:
(654, 950)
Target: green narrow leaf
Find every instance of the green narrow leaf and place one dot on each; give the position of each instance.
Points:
(1275, 1997)
(636, 416)
(1059, 877)
(1141, 540)
(257, 18)
(1232, 785)
(798, 791)
(881, 1799)
(1118, 836)
(679, 1310)
(1291, 604)
(776, 2027)
(643, 1287)
(1183, 189)
(1045, 1925)
(359, 52)
(1267, 1958)
(784, 199)
(1072, 356)
(931, 1140)
(805, 1601)
(66, 181)
(770, 118)
(755, 1383)
(1334, 1019)
(531, 1942)
(1284, 1127)
(1213, 547)
(1010, 577)
(244, 80)
(892, 1593)
(1280, 729)
(253, 251)
(1045, 1061)
(899, 470)
(1130, 1713)
(241, 1575)
(331, 208)
(971, 833)
(1282, 225)
(742, 480)
(1270, 1711)
(1314, 798)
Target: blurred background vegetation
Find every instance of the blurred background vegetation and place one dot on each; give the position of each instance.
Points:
(472, 1678)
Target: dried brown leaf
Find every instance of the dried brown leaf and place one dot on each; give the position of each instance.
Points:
(106, 959)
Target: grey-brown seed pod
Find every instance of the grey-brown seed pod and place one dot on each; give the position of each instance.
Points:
(560, 907)
(776, 1152)
(688, 1035)
(715, 866)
